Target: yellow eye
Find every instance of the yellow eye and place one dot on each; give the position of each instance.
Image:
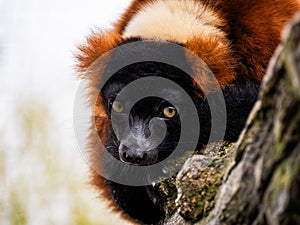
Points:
(117, 107)
(169, 112)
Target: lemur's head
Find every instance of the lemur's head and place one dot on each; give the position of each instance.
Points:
(147, 131)
(142, 144)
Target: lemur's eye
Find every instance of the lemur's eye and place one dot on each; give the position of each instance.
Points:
(117, 107)
(169, 112)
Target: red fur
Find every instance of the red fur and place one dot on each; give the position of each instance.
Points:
(218, 56)
(256, 30)
(96, 45)
(253, 29)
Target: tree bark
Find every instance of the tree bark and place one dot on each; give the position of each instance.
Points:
(261, 177)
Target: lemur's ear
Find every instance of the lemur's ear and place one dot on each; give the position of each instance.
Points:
(96, 45)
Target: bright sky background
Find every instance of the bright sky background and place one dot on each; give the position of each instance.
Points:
(38, 39)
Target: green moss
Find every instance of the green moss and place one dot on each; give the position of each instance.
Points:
(216, 149)
(197, 197)
(168, 193)
(194, 190)
(280, 182)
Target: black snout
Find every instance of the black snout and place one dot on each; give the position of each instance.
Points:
(134, 157)
(137, 156)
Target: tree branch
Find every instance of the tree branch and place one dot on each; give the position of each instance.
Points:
(261, 176)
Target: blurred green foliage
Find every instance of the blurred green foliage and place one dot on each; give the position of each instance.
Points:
(41, 182)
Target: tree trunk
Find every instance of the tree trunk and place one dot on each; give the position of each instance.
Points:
(261, 178)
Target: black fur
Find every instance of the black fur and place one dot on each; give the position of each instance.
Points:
(142, 203)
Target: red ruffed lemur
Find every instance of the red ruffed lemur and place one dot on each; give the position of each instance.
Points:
(235, 39)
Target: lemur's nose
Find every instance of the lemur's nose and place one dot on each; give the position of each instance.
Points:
(137, 156)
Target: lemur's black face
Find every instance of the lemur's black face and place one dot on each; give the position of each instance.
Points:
(139, 147)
